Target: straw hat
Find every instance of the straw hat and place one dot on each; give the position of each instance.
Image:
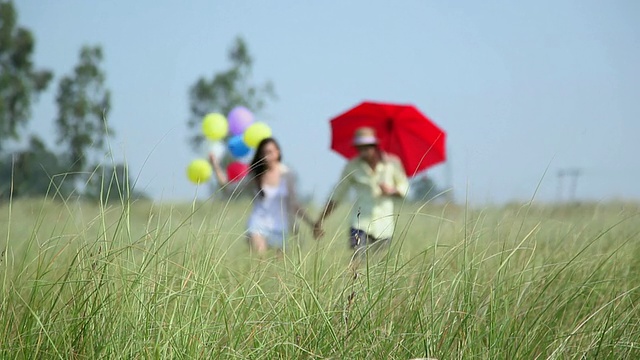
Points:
(365, 136)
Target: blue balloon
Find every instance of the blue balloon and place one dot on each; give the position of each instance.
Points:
(237, 147)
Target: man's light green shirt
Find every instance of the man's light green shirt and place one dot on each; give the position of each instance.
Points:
(376, 211)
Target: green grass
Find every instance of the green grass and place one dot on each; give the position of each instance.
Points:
(176, 281)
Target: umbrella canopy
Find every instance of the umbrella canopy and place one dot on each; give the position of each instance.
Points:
(401, 129)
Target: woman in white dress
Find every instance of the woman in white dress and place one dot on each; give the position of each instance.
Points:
(275, 204)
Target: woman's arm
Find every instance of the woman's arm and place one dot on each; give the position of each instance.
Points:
(220, 175)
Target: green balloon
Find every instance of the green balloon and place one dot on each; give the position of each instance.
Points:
(255, 133)
(199, 171)
(215, 126)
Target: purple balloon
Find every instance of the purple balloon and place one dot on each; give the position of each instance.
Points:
(239, 119)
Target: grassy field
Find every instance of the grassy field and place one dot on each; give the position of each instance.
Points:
(176, 281)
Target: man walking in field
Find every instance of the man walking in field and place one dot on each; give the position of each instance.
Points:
(376, 178)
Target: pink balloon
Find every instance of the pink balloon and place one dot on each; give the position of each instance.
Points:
(237, 170)
(239, 119)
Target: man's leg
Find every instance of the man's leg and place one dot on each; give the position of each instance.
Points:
(358, 240)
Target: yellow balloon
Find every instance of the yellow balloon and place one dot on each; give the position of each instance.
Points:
(199, 171)
(255, 133)
(215, 126)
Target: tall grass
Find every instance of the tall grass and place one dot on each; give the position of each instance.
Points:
(146, 280)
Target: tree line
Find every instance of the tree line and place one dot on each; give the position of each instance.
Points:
(82, 131)
(81, 125)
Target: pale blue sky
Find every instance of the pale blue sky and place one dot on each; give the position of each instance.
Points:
(518, 86)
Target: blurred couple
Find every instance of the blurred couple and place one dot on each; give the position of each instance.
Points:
(375, 178)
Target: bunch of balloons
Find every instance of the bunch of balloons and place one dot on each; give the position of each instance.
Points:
(236, 133)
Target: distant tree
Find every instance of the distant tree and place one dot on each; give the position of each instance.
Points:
(35, 171)
(424, 189)
(226, 90)
(83, 107)
(20, 83)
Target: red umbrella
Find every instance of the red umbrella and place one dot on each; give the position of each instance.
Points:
(402, 130)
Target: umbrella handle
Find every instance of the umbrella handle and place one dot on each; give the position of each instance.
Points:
(386, 171)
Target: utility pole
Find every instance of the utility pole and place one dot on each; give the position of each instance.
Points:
(574, 174)
(559, 191)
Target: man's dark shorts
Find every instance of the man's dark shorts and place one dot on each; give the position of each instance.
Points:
(359, 238)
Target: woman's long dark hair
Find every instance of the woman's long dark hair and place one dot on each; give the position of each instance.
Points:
(258, 165)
